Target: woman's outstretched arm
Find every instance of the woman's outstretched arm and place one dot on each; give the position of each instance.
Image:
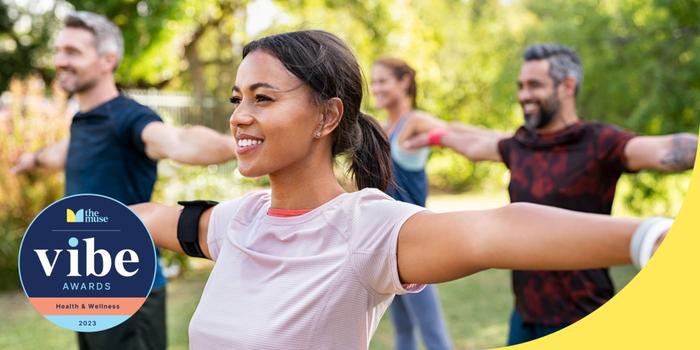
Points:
(442, 247)
(161, 221)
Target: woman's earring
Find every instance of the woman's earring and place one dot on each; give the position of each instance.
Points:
(317, 133)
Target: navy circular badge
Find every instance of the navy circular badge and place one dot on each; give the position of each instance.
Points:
(87, 263)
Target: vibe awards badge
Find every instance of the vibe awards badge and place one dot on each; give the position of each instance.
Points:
(87, 263)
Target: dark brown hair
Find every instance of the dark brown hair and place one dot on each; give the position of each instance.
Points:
(400, 69)
(326, 64)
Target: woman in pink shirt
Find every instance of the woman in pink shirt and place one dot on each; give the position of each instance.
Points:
(307, 265)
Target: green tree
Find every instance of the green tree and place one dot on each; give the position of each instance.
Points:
(24, 38)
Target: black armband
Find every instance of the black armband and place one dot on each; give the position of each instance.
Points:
(188, 226)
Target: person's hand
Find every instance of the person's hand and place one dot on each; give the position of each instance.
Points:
(433, 137)
(24, 163)
(416, 141)
(659, 241)
(421, 131)
(647, 238)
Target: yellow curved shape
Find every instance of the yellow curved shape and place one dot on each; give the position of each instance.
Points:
(659, 308)
(70, 216)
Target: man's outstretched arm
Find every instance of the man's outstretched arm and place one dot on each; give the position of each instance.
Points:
(474, 143)
(195, 145)
(51, 157)
(671, 153)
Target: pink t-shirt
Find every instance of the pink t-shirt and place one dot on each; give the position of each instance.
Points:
(321, 280)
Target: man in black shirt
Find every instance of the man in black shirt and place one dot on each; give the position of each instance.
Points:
(113, 149)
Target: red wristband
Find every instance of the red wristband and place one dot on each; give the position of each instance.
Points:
(435, 136)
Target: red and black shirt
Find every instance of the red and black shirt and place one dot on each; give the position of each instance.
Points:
(576, 168)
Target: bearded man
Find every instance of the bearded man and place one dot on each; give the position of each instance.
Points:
(558, 160)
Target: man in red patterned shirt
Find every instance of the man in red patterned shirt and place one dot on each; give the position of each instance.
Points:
(558, 160)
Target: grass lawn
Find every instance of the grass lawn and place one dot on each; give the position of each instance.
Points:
(476, 308)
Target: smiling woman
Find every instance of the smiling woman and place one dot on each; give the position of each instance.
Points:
(300, 92)
(307, 265)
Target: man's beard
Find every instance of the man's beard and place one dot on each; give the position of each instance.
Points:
(547, 110)
(78, 86)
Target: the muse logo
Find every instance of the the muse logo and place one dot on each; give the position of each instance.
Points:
(85, 215)
(90, 276)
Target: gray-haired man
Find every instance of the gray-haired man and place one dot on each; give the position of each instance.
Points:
(113, 149)
(556, 159)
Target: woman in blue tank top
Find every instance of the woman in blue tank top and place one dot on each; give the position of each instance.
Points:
(394, 88)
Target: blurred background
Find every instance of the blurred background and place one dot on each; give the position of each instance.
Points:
(641, 71)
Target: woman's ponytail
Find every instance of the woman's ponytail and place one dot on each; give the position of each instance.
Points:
(371, 157)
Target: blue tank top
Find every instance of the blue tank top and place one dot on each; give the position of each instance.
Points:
(411, 186)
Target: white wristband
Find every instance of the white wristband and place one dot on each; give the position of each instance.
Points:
(645, 237)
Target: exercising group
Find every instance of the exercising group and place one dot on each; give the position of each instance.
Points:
(308, 265)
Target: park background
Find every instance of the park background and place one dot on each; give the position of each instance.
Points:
(641, 71)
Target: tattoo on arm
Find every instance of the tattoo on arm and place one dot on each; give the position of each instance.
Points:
(681, 156)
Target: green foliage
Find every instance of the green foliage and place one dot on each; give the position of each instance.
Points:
(453, 173)
(24, 38)
(650, 193)
(145, 26)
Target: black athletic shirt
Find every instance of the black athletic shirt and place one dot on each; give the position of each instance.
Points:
(106, 154)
